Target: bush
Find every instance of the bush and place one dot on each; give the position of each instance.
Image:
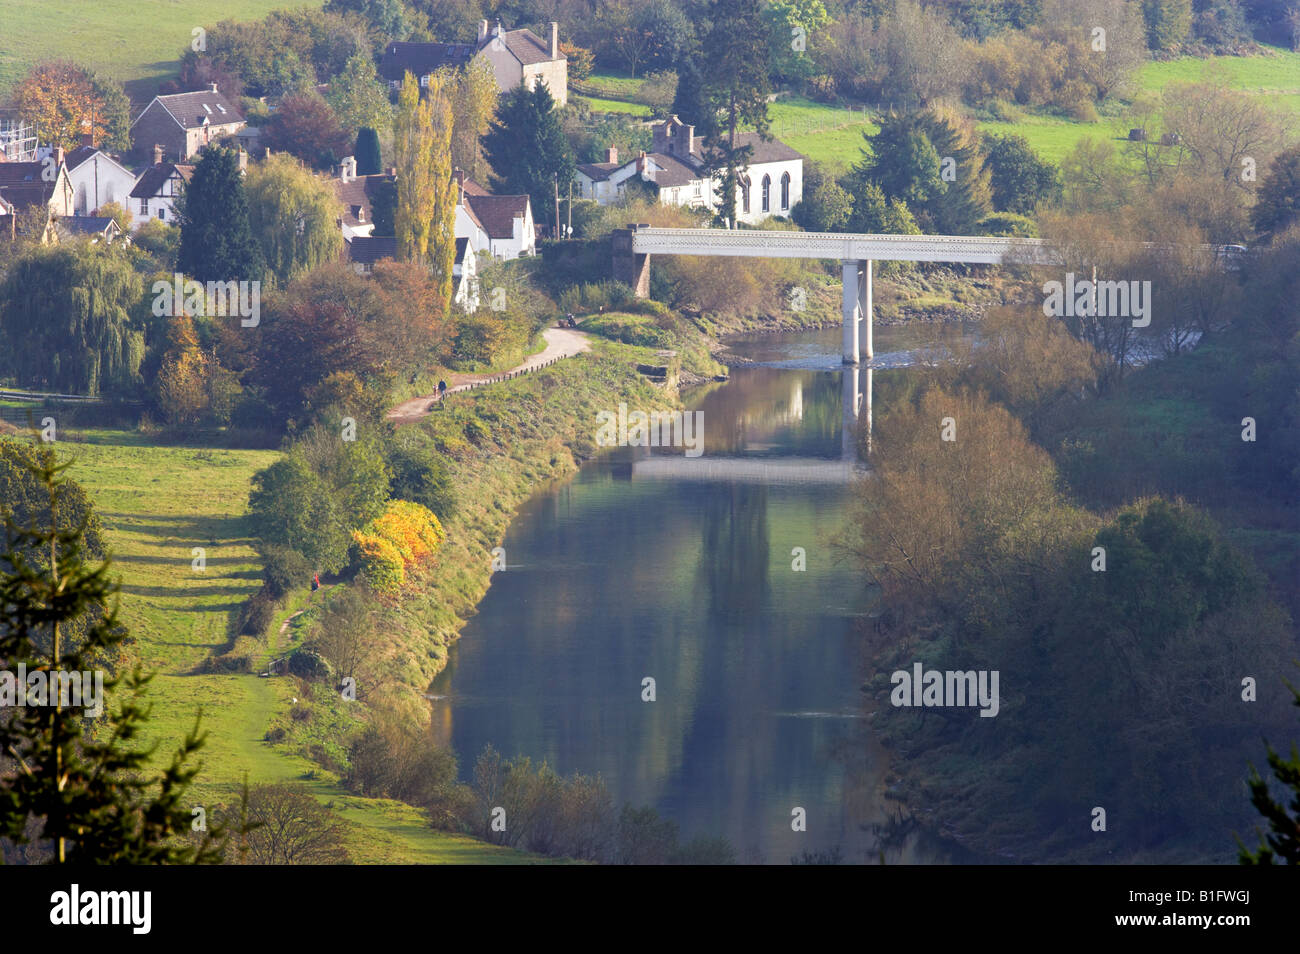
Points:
(256, 614)
(404, 536)
(306, 664)
(283, 569)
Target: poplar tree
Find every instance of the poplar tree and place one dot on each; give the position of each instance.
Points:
(444, 191)
(413, 153)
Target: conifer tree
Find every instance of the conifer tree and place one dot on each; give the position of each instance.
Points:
(217, 242)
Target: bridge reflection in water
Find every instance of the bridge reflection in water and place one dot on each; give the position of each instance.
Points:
(856, 388)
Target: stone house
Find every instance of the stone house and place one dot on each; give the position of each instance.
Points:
(184, 123)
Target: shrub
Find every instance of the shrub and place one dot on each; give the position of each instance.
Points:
(405, 535)
(306, 664)
(284, 569)
(256, 614)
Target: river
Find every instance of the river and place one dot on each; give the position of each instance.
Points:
(640, 567)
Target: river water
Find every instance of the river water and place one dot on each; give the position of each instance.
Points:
(650, 564)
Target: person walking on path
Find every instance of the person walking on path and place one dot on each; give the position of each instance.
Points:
(315, 584)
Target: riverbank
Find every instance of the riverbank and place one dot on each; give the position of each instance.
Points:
(502, 444)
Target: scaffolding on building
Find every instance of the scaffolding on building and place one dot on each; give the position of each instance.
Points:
(17, 141)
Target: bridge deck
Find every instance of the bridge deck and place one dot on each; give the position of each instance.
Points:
(980, 250)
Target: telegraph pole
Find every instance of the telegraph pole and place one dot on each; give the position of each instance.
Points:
(556, 177)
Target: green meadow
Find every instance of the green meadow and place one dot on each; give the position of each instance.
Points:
(158, 503)
(138, 43)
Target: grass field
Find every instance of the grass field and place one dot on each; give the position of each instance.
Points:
(137, 43)
(1275, 78)
(158, 503)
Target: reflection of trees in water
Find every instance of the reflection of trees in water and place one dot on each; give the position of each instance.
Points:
(798, 409)
(735, 551)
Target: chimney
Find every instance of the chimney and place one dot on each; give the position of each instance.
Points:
(348, 168)
(690, 140)
(611, 154)
(58, 156)
(482, 30)
(640, 161)
(88, 139)
(555, 40)
(212, 87)
(496, 28)
(243, 160)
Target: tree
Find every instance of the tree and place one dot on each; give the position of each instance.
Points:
(306, 127)
(874, 212)
(902, 161)
(527, 149)
(287, 826)
(359, 97)
(65, 317)
(826, 206)
(922, 57)
(474, 96)
(1169, 23)
(1020, 180)
(581, 61)
(736, 88)
(688, 98)
(61, 100)
(294, 217)
(792, 25)
(1283, 839)
(115, 111)
(366, 150)
(217, 241)
(413, 152)
(90, 798)
(1277, 205)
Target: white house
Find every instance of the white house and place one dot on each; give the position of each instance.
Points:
(772, 183)
(356, 194)
(155, 192)
(97, 178)
(606, 181)
(465, 275)
(500, 225)
(515, 56)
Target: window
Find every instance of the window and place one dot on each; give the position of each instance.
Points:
(744, 196)
(767, 193)
(162, 213)
(785, 192)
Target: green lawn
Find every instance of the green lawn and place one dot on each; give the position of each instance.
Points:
(614, 84)
(157, 503)
(138, 42)
(615, 106)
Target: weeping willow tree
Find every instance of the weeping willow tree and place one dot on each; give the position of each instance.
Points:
(294, 216)
(65, 319)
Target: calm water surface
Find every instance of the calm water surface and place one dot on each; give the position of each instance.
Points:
(641, 567)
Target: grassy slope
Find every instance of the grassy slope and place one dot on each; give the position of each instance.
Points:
(1275, 78)
(157, 503)
(137, 42)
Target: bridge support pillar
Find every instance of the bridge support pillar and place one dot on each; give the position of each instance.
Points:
(864, 309)
(851, 306)
(857, 307)
(629, 267)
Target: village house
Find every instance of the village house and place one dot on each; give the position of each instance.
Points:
(97, 178)
(96, 228)
(355, 194)
(184, 123)
(500, 225)
(42, 184)
(772, 183)
(517, 57)
(155, 192)
(363, 251)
